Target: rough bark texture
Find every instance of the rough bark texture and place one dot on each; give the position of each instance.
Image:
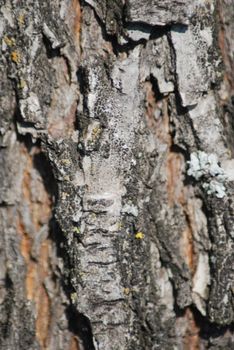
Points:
(117, 174)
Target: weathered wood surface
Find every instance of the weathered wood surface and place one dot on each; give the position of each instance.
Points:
(116, 173)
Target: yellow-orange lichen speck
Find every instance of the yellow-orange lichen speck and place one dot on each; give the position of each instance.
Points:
(139, 235)
(9, 41)
(21, 19)
(15, 57)
(126, 291)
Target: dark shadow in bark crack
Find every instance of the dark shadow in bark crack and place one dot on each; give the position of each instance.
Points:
(153, 31)
(209, 330)
(228, 122)
(51, 53)
(159, 31)
(157, 94)
(80, 325)
(6, 309)
(41, 163)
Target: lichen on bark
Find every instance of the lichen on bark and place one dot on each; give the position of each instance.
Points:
(113, 236)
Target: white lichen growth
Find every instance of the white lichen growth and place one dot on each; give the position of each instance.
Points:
(129, 208)
(204, 167)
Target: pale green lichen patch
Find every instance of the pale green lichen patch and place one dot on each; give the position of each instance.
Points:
(73, 298)
(22, 84)
(76, 230)
(65, 162)
(204, 167)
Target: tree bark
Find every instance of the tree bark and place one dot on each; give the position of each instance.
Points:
(117, 175)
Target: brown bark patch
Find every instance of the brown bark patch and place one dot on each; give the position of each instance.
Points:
(62, 111)
(157, 119)
(157, 114)
(25, 246)
(74, 344)
(174, 182)
(77, 18)
(187, 248)
(191, 339)
(62, 127)
(178, 195)
(41, 297)
(36, 252)
(225, 40)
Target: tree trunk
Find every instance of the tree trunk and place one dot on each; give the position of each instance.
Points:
(116, 199)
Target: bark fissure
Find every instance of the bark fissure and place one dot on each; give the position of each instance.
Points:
(116, 198)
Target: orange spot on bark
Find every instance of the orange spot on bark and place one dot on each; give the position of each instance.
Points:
(25, 246)
(75, 17)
